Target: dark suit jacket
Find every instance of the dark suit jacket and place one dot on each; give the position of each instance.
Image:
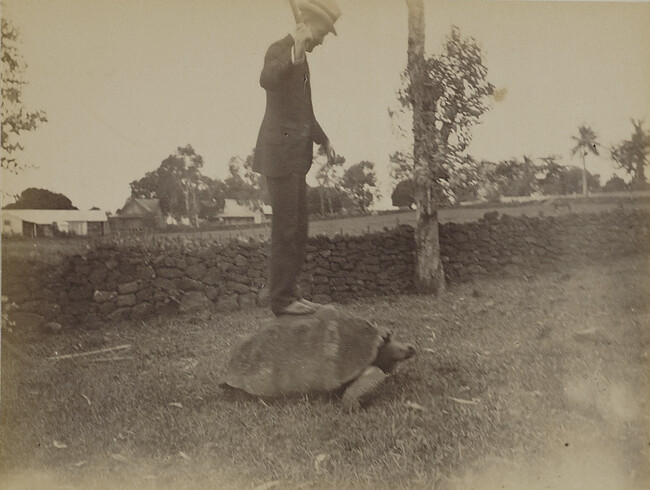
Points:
(289, 128)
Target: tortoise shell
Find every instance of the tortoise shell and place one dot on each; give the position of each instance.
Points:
(300, 354)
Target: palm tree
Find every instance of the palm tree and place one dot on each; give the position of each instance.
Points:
(585, 143)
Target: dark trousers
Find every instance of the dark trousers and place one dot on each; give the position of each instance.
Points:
(289, 226)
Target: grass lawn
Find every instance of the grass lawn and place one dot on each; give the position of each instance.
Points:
(520, 382)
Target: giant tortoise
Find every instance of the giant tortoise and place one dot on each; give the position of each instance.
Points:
(328, 351)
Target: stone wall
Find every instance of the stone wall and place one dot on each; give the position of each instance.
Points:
(130, 280)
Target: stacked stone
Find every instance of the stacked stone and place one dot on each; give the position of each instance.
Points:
(36, 289)
(341, 268)
(117, 280)
(492, 243)
(615, 233)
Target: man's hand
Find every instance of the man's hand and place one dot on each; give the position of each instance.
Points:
(302, 37)
(329, 151)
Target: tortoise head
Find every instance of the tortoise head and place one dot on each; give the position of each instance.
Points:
(391, 352)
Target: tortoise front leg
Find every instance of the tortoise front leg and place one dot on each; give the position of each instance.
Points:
(362, 386)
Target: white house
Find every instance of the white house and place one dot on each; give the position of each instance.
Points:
(238, 214)
(44, 222)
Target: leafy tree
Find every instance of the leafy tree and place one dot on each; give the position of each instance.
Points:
(523, 177)
(632, 154)
(485, 186)
(403, 194)
(360, 184)
(516, 177)
(615, 184)
(553, 181)
(337, 200)
(470, 189)
(585, 143)
(513, 177)
(211, 197)
(33, 198)
(15, 119)
(147, 186)
(328, 176)
(179, 185)
(455, 94)
(575, 178)
(447, 95)
(179, 176)
(244, 184)
(561, 179)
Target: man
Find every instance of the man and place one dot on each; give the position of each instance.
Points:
(284, 149)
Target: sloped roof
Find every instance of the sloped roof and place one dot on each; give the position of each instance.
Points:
(49, 216)
(135, 206)
(232, 209)
(151, 205)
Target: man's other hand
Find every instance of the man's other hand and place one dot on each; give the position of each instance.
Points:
(329, 151)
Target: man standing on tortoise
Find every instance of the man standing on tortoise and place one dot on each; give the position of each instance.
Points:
(284, 149)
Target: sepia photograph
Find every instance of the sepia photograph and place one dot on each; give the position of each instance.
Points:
(325, 244)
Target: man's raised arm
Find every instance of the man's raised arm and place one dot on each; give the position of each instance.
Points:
(276, 62)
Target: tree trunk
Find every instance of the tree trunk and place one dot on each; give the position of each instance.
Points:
(321, 195)
(186, 195)
(584, 177)
(328, 195)
(429, 274)
(195, 208)
(639, 176)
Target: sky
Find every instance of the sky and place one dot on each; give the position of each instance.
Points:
(126, 82)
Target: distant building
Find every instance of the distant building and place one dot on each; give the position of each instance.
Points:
(235, 213)
(170, 220)
(50, 222)
(138, 215)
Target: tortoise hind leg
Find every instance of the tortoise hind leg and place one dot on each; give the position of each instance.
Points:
(365, 384)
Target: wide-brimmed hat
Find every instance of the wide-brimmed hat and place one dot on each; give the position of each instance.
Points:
(328, 10)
